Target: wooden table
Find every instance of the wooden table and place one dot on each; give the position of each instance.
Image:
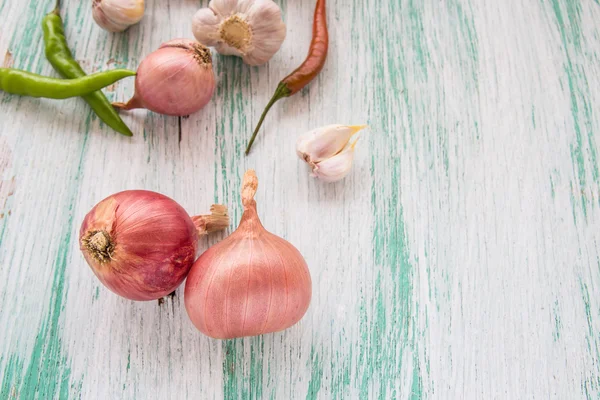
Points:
(459, 259)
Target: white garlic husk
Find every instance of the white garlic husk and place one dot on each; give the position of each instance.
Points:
(328, 150)
(117, 15)
(251, 29)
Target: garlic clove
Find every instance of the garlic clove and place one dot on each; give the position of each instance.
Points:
(103, 21)
(335, 168)
(325, 142)
(268, 31)
(205, 26)
(243, 6)
(223, 8)
(117, 15)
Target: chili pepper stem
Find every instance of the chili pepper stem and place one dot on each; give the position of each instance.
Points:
(57, 8)
(281, 92)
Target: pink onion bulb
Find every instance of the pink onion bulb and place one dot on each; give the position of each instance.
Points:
(177, 79)
(141, 244)
(251, 283)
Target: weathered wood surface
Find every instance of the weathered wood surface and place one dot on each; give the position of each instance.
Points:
(460, 259)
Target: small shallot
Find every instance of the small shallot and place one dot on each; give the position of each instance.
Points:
(177, 79)
(251, 283)
(141, 244)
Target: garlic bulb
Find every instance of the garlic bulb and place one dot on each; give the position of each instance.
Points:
(117, 15)
(328, 151)
(251, 29)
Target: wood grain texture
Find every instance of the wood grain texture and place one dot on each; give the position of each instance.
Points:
(460, 259)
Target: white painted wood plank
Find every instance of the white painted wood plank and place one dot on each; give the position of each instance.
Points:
(460, 258)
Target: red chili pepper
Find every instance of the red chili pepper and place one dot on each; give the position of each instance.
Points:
(309, 69)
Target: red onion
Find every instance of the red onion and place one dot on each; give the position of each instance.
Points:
(141, 244)
(177, 79)
(251, 283)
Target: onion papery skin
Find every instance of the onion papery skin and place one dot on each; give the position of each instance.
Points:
(251, 283)
(154, 243)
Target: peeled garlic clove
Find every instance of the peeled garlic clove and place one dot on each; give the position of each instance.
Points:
(251, 29)
(335, 168)
(325, 142)
(117, 15)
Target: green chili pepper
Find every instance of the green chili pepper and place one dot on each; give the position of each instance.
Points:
(25, 83)
(61, 58)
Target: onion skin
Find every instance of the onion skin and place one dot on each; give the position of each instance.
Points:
(154, 243)
(251, 283)
(177, 79)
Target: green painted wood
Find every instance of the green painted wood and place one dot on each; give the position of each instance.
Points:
(460, 258)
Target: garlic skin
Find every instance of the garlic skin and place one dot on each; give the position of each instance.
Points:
(251, 29)
(117, 15)
(328, 151)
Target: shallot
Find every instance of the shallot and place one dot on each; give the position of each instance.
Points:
(142, 244)
(251, 283)
(177, 79)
